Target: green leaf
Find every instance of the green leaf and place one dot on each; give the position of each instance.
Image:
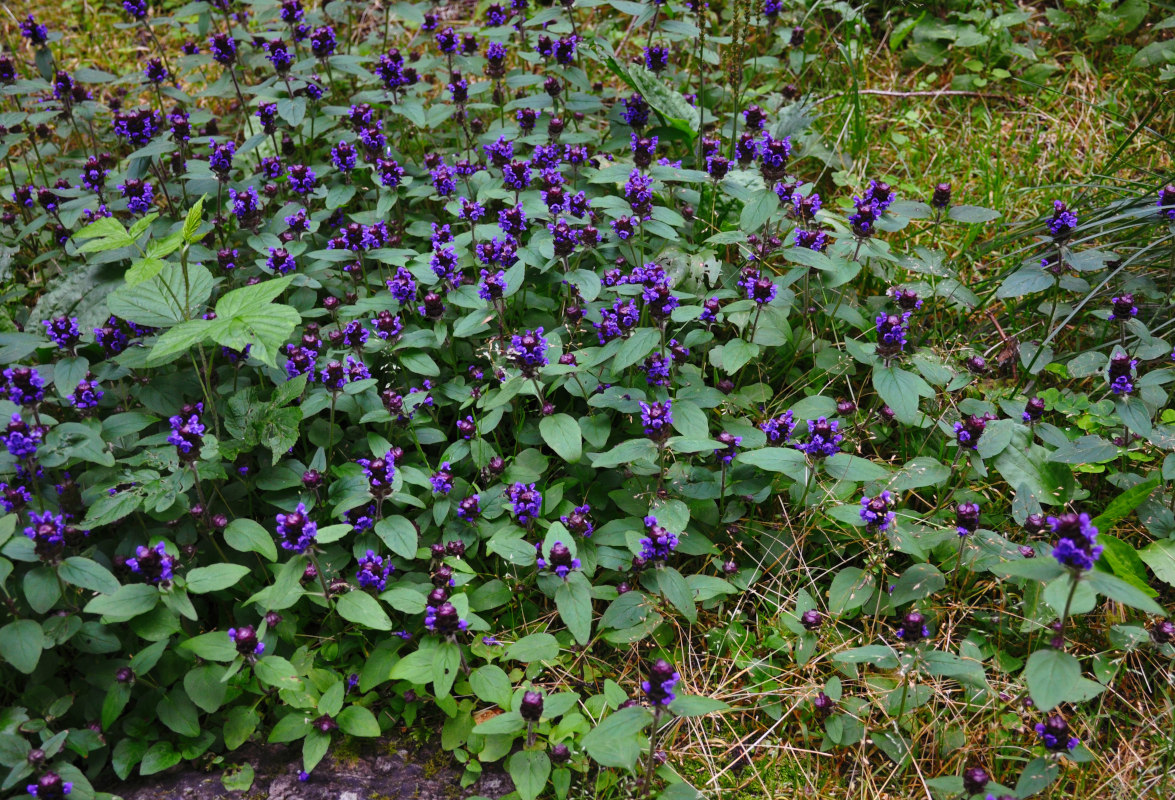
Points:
(562, 434)
(529, 769)
(106, 233)
(144, 269)
(1119, 590)
(127, 603)
(160, 756)
(192, 221)
(399, 534)
(625, 453)
(850, 589)
(692, 705)
(277, 672)
(1160, 557)
(1053, 677)
(535, 647)
(239, 724)
(247, 536)
(635, 348)
(1085, 450)
(88, 574)
(212, 646)
(1124, 562)
(510, 722)
(677, 591)
(846, 467)
(491, 684)
(1121, 506)
(358, 721)
(617, 741)
(972, 214)
(446, 664)
(166, 299)
(110, 508)
(205, 687)
(949, 665)
(917, 582)
(178, 340)
(787, 460)
(263, 330)
(1036, 776)
(900, 390)
(177, 712)
(363, 609)
(879, 655)
(677, 112)
(758, 210)
(21, 644)
(213, 578)
(573, 598)
(920, 472)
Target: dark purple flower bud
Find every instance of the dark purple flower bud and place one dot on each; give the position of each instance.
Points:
(1036, 524)
(1033, 409)
(941, 198)
(325, 724)
(245, 640)
(531, 706)
(846, 407)
(966, 518)
(975, 780)
(1162, 631)
(36, 756)
(560, 754)
(1055, 735)
(912, 628)
(49, 786)
(661, 682)
(124, 675)
(812, 620)
(976, 364)
(823, 704)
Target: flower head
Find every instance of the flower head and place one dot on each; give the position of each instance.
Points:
(1055, 735)
(374, 571)
(877, 512)
(526, 502)
(153, 563)
(1076, 544)
(296, 529)
(245, 641)
(823, 438)
(659, 686)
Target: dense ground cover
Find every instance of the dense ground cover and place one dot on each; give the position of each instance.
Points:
(646, 397)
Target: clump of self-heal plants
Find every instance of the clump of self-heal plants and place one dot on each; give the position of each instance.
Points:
(404, 357)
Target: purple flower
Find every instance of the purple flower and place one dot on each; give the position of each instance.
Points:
(380, 472)
(891, 333)
(25, 386)
(139, 195)
(153, 563)
(656, 58)
(1055, 735)
(296, 529)
(137, 127)
(402, 286)
(758, 287)
(966, 518)
(560, 560)
(137, 9)
(1167, 202)
(1033, 410)
(14, 497)
(86, 394)
(659, 686)
(47, 533)
(778, 429)
(187, 432)
(447, 41)
(1076, 546)
(19, 439)
(823, 438)
(492, 286)
(912, 628)
(877, 512)
(1120, 373)
(658, 543)
(880, 194)
(638, 191)
(343, 156)
(1062, 223)
(323, 42)
(223, 48)
(526, 502)
(36, 33)
(1123, 308)
(444, 619)
(469, 509)
(245, 641)
(246, 207)
(49, 786)
(442, 479)
(657, 419)
(636, 112)
(302, 178)
(968, 430)
(726, 454)
(280, 261)
(774, 155)
(279, 54)
(374, 571)
(579, 522)
(528, 351)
